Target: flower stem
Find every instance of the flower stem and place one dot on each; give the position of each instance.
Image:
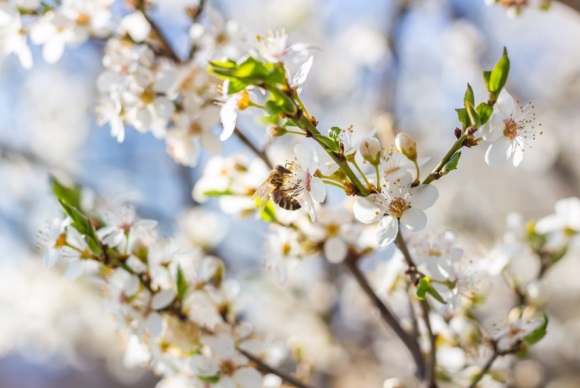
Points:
(378, 174)
(333, 183)
(435, 174)
(355, 164)
(340, 161)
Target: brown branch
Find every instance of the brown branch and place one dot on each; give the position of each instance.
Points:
(264, 367)
(387, 316)
(415, 275)
(168, 49)
(496, 353)
(259, 153)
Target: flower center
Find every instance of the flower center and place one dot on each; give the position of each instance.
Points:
(397, 207)
(510, 128)
(228, 367)
(332, 230)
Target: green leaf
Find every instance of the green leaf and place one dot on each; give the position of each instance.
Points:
(537, 334)
(451, 164)
(217, 193)
(181, 284)
(327, 142)
(268, 214)
(463, 117)
(469, 95)
(334, 133)
(283, 101)
(473, 116)
(484, 111)
(253, 71)
(225, 65)
(209, 379)
(424, 287)
(486, 76)
(93, 245)
(70, 195)
(235, 85)
(499, 74)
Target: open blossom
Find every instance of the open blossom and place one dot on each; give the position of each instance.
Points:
(275, 48)
(302, 184)
(509, 130)
(12, 36)
(397, 201)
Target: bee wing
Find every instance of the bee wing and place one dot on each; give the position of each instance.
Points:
(263, 193)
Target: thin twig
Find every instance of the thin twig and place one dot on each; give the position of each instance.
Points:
(415, 275)
(259, 153)
(496, 353)
(264, 367)
(389, 318)
(168, 48)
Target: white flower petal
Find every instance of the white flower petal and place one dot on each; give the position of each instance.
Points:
(228, 117)
(74, 270)
(317, 189)
(303, 154)
(414, 219)
(52, 50)
(505, 103)
(335, 250)
(248, 378)
(136, 26)
(51, 257)
(518, 154)
(497, 153)
(366, 211)
(154, 324)
(302, 73)
(162, 299)
(387, 230)
(424, 196)
(309, 205)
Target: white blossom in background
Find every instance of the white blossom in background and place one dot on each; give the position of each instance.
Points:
(509, 130)
(13, 39)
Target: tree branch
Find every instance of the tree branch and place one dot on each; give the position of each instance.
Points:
(264, 367)
(259, 153)
(387, 316)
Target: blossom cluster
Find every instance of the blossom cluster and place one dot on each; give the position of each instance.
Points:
(172, 300)
(322, 199)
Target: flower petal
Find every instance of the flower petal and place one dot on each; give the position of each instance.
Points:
(387, 230)
(248, 378)
(335, 250)
(366, 211)
(424, 196)
(317, 189)
(302, 73)
(497, 153)
(505, 103)
(518, 154)
(309, 205)
(414, 219)
(162, 299)
(228, 117)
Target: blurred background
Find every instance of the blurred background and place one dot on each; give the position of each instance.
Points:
(383, 64)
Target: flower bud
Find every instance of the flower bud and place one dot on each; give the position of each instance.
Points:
(370, 149)
(406, 145)
(277, 131)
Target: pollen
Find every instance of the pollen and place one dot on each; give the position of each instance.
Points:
(397, 207)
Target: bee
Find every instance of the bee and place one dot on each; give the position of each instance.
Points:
(273, 188)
